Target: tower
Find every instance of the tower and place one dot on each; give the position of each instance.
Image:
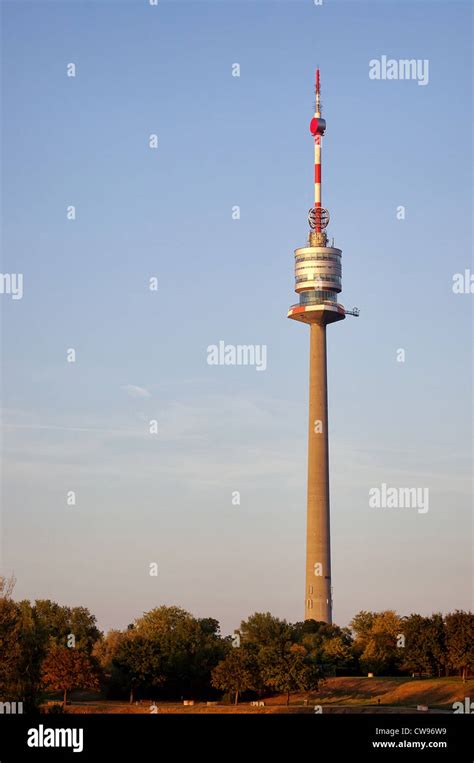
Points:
(318, 281)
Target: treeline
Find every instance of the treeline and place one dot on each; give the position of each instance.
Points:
(167, 653)
(387, 644)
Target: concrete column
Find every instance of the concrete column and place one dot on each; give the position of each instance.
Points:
(318, 604)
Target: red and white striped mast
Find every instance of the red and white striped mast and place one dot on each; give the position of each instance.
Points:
(318, 219)
(317, 150)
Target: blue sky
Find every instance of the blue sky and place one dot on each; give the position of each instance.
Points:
(226, 141)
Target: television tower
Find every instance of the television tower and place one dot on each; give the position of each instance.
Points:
(318, 281)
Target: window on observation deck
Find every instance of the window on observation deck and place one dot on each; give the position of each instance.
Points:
(321, 276)
(317, 297)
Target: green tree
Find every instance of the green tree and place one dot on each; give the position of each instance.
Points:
(83, 626)
(435, 637)
(115, 681)
(190, 648)
(233, 674)
(328, 645)
(376, 641)
(291, 670)
(425, 645)
(105, 649)
(20, 650)
(460, 641)
(337, 653)
(263, 630)
(416, 652)
(362, 624)
(51, 621)
(140, 660)
(58, 623)
(11, 663)
(259, 634)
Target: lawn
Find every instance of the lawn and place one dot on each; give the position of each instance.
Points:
(352, 694)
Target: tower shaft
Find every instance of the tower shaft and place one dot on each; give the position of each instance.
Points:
(318, 601)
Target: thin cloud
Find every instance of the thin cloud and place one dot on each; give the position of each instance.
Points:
(133, 391)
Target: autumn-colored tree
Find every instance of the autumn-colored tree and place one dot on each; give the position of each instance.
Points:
(67, 669)
(233, 674)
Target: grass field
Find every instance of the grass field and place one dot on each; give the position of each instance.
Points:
(341, 695)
